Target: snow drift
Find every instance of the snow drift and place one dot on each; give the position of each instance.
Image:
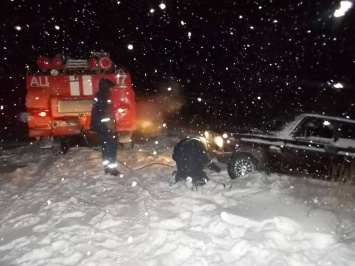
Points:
(63, 210)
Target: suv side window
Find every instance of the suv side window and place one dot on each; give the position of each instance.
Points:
(316, 128)
(346, 135)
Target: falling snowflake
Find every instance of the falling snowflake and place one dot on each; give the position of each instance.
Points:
(162, 6)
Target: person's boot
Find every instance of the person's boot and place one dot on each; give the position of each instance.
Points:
(179, 176)
(112, 171)
(200, 181)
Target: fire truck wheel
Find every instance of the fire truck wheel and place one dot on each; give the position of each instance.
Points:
(64, 144)
(61, 145)
(126, 146)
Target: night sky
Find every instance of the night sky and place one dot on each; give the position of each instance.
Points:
(247, 60)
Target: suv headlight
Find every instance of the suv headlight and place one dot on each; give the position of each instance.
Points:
(207, 135)
(214, 139)
(219, 141)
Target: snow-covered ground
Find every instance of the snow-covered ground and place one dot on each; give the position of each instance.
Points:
(63, 210)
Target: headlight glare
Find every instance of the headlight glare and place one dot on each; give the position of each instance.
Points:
(204, 141)
(218, 140)
(207, 134)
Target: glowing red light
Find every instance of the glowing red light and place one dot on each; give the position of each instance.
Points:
(93, 62)
(57, 63)
(42, 114)
(105, 62)
(39, 113)
(43, 62)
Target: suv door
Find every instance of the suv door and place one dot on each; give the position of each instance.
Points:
(344, 160)
(311, 147)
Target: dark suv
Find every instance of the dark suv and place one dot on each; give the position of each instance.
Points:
(303, 143)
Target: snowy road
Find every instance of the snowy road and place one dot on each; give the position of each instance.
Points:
(62, 210)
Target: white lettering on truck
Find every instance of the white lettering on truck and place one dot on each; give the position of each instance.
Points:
(121, 81)
(39, 81)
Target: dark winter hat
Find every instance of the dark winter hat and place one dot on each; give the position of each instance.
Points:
(106, 84)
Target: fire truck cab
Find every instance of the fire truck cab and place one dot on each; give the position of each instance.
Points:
(60, 95)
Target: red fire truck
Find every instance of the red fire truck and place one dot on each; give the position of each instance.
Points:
(60, 95)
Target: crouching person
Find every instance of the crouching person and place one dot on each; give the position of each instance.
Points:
(103, 123)
(191, 157)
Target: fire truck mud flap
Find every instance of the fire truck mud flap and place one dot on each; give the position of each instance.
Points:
(45, 142)
(58, 145)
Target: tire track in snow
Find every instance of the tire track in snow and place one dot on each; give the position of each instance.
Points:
(137, 222)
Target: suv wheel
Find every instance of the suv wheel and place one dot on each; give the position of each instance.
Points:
(241, 165)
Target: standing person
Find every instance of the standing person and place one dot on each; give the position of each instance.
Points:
(103, 123)
(191, 156)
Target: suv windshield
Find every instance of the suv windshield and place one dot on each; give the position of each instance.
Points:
(277, 124)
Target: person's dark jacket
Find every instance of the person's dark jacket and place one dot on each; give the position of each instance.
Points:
(191, 155)
(102, 117)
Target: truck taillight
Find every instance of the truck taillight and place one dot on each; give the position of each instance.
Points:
(40, 113)
(121, 112)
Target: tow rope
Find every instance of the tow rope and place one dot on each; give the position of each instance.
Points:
(140, 168)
